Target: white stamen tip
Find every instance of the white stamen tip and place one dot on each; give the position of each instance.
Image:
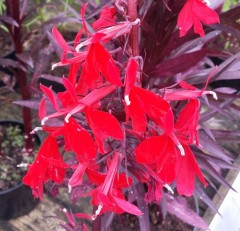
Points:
(181, 149)
(22, 165)
(214, 94)
(36, 129)
(64, 210)
(67, 117)
(69, 188)
(97, 212)
(78, 47)
(167, 186)
(207, 2)
(54, 66)
(126, 98)
(44, 120)
(137, 21)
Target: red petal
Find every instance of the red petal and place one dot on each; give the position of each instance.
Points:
(106, 64)
(204, 13)
(128, 207)
(103, 125)
(185, 18)
(155, 107)
(158, 150)
(83, 9)
(73, 72)
(77, 38)
(186, 169)
(56, 173)
(79, 141)
(130, 77)
(93, 97)
(136, 113)
(187, 122)
(70, 88)
(60, 40)
(107, 18)
(49, 93)
(150, 150)
(95, 177)
(83, 216)
(122, 181)
(112, 73)
(42, 108)
(77, 177)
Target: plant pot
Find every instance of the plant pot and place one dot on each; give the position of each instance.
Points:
(17, 200)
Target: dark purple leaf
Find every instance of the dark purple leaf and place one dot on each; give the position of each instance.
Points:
(212, 148)
(214, 160)
(23, 9)
(229, 74)
(178, 64)
(225, 90)
(210, 113)
(10, 63)
(28, 103)
(213, 172)
(177, 206)
(139, 192)
(42, 62)
(199, 192)
(227, 136)
(8, 20)
(225, 65)
(229, 22)
(25, 58)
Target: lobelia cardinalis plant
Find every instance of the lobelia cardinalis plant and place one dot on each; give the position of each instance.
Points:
(130, 111)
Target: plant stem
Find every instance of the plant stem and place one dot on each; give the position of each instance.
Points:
(96, 224)
(13, 11)
(133, 15)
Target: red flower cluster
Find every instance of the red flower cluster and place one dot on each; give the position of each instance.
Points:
(154, 143)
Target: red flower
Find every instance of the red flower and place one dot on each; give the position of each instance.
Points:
(108, 195)
(155, 107)
(187, 91)
(140, 102)
(169, 162)
(79, 141)
(103, 125)
(48, 165)
(193, 14)
(98, 61)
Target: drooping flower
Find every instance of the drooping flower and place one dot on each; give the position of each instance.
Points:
(80, 142)
(194, 13)
(108, 196)
(140, 102)
(170, 155)
(48, 165)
